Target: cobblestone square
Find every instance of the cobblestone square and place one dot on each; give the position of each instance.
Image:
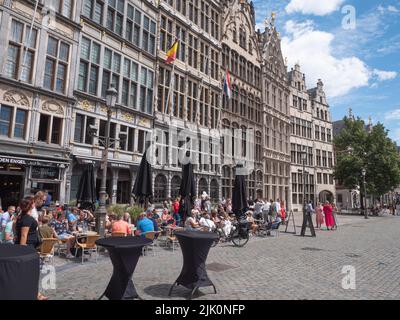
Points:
(273, 268)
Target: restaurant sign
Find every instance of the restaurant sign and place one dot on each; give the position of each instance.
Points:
(48, 173)
(12, 161)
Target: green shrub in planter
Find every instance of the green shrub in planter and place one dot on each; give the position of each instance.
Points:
(134, 212)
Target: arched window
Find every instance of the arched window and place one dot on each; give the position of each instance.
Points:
(203, 186)
(175, 185)
(214, 190)
(160, 188)
(242, 38)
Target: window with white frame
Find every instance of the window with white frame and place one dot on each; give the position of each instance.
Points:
(127, 138)
(166, 35)
(50, 129)
(111, 70)
(13, 122)
(56, 67)
(21, 52)
(89, 66)
(146, 90)
(193, 50)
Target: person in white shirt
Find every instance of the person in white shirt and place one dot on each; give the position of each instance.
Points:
(258, 208)
(265, 210)
(206, 222)
(191, 223)
(277, 208)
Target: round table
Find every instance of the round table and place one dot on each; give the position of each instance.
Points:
(19, 272)
(124, 254)
(195, 246)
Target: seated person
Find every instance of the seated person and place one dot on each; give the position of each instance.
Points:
(45, 230)
(60, 226)
(155, 223)
(120, 225)
(7, 236)
(127, 218)
(191, 222)
(144, 225)
(85, 217)
(274, 224)
(72, 219)
(250, 219)
(166, 218)
(215, 218)
(207, 223)
(177, 219)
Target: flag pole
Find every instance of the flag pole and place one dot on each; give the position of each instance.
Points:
(172, 87)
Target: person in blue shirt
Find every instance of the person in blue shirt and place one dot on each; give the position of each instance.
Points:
(48, 199)
(144, 225)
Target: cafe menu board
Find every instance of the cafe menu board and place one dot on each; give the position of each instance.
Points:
(46, 173)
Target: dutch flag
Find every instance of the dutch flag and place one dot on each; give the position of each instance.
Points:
(227, 85)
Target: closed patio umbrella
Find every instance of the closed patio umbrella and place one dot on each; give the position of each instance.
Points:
(239, 195)
(187, 189)
(142, 188)
(86, 195)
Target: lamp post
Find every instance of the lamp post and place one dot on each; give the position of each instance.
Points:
(364, 172)
(111, 99)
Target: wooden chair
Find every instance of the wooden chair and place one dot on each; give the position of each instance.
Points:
(118, 234)
(46, 250)
(88, 247)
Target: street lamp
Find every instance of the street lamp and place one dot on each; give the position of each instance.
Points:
(364, 172)
(101, 212)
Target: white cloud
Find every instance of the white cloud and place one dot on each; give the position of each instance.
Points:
(396, 135)
(314, 51)
(384, 75)
(392, 115)
(393, 9)
(315, 7)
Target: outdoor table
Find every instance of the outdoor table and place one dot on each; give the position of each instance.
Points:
(195, 246)
(124, 254)
(19, 272)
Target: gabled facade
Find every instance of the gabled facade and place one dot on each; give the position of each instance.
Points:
(241, 57)
(276, 117)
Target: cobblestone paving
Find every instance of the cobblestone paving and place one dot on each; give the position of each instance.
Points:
(284, 267)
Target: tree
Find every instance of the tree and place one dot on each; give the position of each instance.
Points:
(358, 147)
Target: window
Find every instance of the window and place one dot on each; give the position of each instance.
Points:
(88, 77)
(319, 178)
(329, 135)
(204, 57)
(192, 103)
(115, 16)
(319, 158)
(192, 50)
(146, 90)
(205, 16)
(141, 141)
(140, 29)
(130, 83)
(325, 178)
(214, 24)
(50, 129)
(21, 52)
(64, 7)
(5, 120)
(194, 11)
(324, 159)
(82, 125)
(56, 67)
(111, 70)
(166, 35)
(330, 160)
(127, 138)
(163, 88)
(242, 38)
(181, 35)
(323, 136)
(93, 9)
(317, 137)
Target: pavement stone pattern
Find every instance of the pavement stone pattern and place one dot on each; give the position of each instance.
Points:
(272, 268)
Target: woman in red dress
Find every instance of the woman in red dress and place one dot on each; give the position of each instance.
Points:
(328, 216)
(283, 212)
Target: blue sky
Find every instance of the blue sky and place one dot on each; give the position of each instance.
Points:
(359, 64)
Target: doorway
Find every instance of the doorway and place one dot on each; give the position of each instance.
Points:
(11, 190)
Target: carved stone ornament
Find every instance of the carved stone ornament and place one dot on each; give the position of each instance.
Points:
(53, 107)
(16, 97)
(127, 117)
(85, 105)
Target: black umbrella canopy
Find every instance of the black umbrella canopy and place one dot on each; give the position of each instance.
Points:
(142, 188)
(239, 196)
(86, 195)
(187, 190)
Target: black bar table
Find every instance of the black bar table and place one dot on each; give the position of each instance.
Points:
(124, 254)
(195, 246)
(19, 272)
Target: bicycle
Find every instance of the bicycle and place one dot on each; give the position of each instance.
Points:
(239, 234)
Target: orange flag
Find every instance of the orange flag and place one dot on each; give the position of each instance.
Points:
(171, 54)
